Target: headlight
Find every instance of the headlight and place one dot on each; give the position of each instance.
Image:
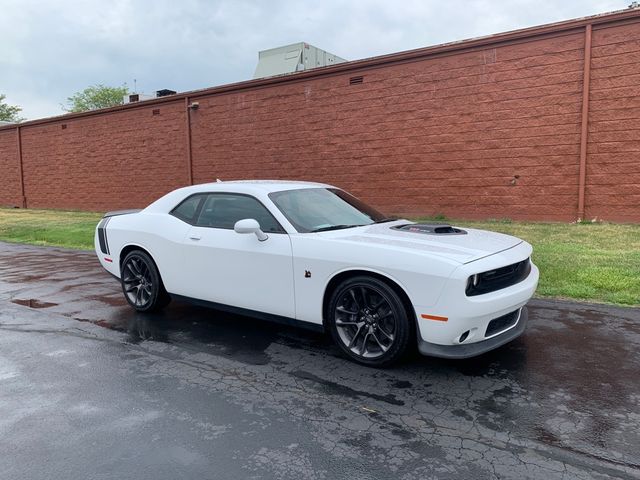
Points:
(498, 278)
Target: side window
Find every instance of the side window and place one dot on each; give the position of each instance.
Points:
(223, 210)
(188, 209)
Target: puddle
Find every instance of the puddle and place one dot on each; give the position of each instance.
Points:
(402, 384)
(334, 388)
(33, 303)
(195, 328)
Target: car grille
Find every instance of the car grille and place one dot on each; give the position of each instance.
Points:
(502, 323)
(497, 279)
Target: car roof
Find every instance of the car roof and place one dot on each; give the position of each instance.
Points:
(251, 187)
(268, 186)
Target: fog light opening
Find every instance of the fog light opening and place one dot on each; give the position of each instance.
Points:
(464, 336)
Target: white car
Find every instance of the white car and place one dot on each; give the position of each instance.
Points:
(312, 254)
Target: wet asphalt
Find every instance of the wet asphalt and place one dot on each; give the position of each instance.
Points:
(89, 389)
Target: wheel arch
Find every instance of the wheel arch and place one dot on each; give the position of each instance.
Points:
(130, 247)
(341, 276)
(162, 296)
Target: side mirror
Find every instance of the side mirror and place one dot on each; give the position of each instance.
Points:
(249, 225)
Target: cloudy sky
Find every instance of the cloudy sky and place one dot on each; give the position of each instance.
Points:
(49, 50)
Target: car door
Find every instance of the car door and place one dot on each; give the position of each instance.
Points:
(235, 269)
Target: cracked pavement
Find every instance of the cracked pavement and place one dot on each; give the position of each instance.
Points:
(91, 389)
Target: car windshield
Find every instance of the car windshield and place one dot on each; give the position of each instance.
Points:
(322, 209)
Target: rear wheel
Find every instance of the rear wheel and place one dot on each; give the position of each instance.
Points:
(141, 283)
(368, 321)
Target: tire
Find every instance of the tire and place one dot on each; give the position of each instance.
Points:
(141, 283)
(369, 322)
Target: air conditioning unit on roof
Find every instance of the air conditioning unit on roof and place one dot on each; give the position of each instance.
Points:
(293, 58)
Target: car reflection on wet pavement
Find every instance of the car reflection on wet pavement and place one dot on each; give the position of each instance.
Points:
(91, 389)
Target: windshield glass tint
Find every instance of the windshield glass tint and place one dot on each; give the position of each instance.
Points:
(312, 209)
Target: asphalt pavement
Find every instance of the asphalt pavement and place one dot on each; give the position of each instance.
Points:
(89, 389)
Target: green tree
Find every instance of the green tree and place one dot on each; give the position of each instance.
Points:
(9, 113)
(95, 97)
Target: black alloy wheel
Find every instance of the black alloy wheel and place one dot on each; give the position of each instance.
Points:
(141, 283)
(369, 322)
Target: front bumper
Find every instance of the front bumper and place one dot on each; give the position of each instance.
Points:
(457, 322)
(473, 349)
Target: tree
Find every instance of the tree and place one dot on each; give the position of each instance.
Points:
(96, 96)
(9, 113)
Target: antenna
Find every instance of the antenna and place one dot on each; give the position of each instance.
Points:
(135, 87)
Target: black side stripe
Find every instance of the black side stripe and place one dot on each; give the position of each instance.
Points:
(102, 235)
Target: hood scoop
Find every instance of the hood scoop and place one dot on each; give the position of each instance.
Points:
(430, 229)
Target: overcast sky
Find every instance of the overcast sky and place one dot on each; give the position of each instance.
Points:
(49, 50)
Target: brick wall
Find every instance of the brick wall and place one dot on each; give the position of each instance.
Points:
(9, 169)
(447, 135)
(487, 128)
(613, 168)
(103, 162)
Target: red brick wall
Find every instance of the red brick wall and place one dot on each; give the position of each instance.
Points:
(445, 135)
(9, 169)
(613, 167)
(491, 131)
(113, 161)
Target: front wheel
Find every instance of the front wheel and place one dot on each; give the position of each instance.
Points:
(369, 322)
(141, 283)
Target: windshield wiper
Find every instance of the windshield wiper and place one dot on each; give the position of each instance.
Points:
(384, 220)
(334, 227)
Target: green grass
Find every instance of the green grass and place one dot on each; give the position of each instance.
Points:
(48, 227)
(597, 262)
(594, 262)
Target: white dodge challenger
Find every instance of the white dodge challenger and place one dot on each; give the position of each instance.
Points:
(313, 254)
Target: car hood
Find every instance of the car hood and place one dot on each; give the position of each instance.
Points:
(464, 247)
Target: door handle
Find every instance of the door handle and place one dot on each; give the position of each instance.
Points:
(194, 237)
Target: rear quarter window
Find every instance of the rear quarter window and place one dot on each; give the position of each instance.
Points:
(188, 208)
